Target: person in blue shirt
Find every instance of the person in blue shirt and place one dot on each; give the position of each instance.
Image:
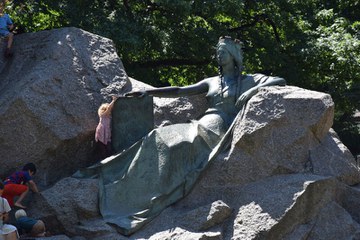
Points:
(29, 226)
(6, 25)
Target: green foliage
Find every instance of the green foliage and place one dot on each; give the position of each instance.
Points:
(335, 67)
(35, 16)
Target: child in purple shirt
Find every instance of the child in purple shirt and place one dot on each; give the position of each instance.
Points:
(18, 184)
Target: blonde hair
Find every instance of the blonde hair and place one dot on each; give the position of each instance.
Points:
(20, 213)
(103, 107)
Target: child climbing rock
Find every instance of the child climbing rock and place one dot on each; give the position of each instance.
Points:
(103, 129)
(18, 184)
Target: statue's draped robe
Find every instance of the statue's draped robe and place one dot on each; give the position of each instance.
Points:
(137, 184)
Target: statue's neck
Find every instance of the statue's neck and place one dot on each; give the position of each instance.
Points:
(230, 73)
(230, 77)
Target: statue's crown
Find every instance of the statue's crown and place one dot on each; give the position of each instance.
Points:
(229, 40)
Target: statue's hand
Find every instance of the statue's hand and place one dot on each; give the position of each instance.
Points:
(138, 94)
(245, 96)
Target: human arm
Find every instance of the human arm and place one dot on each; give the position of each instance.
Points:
(11, 27)
(271, 81)
(4, 216)
(111, 105)
(5, 208)
(174, 91)
(33, 186)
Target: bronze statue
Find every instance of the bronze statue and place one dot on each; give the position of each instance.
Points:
(137, 184)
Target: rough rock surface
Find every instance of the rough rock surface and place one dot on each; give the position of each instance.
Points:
(51, 89)
(49, 94)
(251, 192)
(286, 174)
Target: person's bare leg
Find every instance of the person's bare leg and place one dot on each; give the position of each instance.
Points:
(10, 38)
(19, 200)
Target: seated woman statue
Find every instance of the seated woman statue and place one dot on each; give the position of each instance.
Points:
(137, 184)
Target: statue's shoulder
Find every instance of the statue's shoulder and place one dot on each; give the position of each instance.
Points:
(214, 78)
(257, 78)
(211, 80)
(248, 78)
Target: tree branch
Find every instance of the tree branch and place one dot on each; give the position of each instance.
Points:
(256, 19)
(127, 7)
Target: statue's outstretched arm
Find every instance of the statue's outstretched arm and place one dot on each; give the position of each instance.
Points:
(271, 81)
(197, 88)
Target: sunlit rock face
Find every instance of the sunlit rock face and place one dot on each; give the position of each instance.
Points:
(49, 94)
(285, 175)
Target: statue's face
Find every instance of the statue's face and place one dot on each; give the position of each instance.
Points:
(223, 56)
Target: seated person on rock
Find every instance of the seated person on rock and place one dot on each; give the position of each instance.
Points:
(29, 226)
(18, 184)
(7, 231)
(6, 25)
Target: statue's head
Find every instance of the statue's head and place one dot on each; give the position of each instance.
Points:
(234, 48)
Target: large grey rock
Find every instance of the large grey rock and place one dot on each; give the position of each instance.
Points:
(49, 94)
(285, 130)
(330, 218)
(289, 206)
(276, 207)
(71, 207)
(275, 194)
(286, 175)
(273, 122)
(181, 234)
(332, 158)
(205, 217)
